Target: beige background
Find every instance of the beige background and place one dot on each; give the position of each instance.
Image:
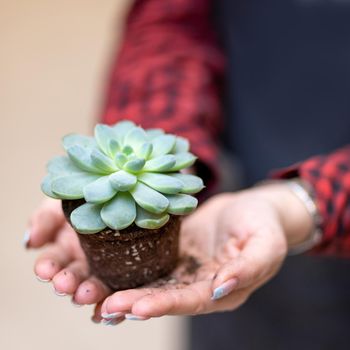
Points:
(53, 58)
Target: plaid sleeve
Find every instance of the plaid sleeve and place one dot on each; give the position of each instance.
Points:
(329, 176)
(167, 74)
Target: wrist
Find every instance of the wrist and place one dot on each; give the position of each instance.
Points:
(295, 218)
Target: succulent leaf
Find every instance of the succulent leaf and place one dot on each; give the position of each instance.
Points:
(135, 138)
(46, 187)
(183, 160)
(149, 199)
(120, 159)
(81, 157)
(161, 163)
(87, 218)
(153, 133)
(102, 162)
(181, 145)
(61, 165)
(125, 206)
(71, 186)
(104, 135)
(99, 191)
(80, 140)
(145, 151)
(122, 180)
(161, 182)
(122, 128)
(191, 183)
(145, 219)
(163, 144)
(134, 165)
(181, 204)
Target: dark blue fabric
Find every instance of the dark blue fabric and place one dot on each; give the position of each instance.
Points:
(287, 98)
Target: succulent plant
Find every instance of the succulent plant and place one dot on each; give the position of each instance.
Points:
(126, 175)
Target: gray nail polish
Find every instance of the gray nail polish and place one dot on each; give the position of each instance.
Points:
(112, 316)
(111, 322)
(132, 317)
(26, 239)
(42, 280)
(225, 289)
(60, 294)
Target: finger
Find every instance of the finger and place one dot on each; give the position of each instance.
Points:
(91, 291)
(262, 255)
(122, 301)
(44, 223)
(51, 261)
(68, 279)
(186, 300)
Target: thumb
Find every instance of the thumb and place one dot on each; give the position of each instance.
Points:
(44, 223)
(259, 259)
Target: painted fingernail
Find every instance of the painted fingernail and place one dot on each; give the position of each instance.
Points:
(42, 279)
(132, 317)
(113, 315)
(60, 294)
(75, 303)
(26, 239)
(111, 322)
(224, 289)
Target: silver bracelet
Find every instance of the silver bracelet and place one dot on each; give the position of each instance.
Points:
(304, 192)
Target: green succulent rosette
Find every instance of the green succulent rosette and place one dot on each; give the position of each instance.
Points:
(126, 175)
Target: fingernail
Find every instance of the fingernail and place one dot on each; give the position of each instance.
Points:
(111, 322)
(113, 315)
(224, 289)
(41, 279)
(132, 317)
(75, 303)
(26, 239)
(60, 294)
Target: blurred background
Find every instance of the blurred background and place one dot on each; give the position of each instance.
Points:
(53, 62)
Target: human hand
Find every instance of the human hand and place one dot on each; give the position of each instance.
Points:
(62, 262)
(229, 246)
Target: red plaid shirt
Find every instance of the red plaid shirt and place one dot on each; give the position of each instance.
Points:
(167, 74)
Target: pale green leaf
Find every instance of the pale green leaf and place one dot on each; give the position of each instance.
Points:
(99, 191)
(149, 199)
(162, 163)
(46, 187)
(104, 135)
(71, 186)
(162, 183)
(122, 181)
(181, 145)
(61, 165)
(145, 150)
(120, 159)
(162, 145)
(135, 138)
(183, 160)
(114, 147)
(122, 128)
(87, 219)
(147, 220)
(127, 150)
(134, 165)
(120, 212)
(80, 140)
(102, 162)
(81, 157)
(153, 133)
(191, 183)
(181, 204)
